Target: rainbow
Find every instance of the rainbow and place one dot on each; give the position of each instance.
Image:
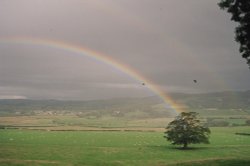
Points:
(99, 57)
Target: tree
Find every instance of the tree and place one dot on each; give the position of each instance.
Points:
(240, 10)
(185, 129)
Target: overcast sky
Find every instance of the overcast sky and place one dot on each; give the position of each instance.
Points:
(170, 42)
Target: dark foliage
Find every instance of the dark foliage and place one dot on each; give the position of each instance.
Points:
(248, 122)
(247, 134)
(187, 129)
(240, 10)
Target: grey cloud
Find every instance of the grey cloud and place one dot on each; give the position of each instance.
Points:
(169, 42)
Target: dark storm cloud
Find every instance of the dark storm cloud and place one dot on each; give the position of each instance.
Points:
(169, 42)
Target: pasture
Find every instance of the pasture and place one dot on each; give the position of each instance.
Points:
(30, 147)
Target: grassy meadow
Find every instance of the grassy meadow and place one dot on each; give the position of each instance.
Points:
(118, 132)
(29, 147)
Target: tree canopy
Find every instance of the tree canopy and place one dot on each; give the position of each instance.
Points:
(185, 129)
(240, 10)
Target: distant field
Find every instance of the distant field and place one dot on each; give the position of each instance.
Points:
(80, 123)
(74, 122)
(28, 147)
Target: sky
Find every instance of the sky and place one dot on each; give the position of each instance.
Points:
(168, 42)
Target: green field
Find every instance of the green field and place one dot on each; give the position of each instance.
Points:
(28, 147)
(119, 132)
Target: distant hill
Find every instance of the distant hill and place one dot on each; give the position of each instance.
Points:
(218, 100)
(145, 107)
(111, 106)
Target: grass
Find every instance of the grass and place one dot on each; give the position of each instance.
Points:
(24, 147)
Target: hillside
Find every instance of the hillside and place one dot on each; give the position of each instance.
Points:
(219, 109)
(114, 107)
(218, 100)
(150, 106)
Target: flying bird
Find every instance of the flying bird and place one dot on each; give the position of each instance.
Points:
(143, 84)
(195, 81)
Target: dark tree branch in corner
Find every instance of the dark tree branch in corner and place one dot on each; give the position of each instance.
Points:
(240, 10)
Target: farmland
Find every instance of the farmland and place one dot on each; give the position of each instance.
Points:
(118, 132)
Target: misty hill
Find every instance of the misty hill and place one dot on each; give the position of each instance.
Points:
(218, 100)
(95, 107)
(148, 106)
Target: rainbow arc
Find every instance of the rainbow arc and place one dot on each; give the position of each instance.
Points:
(57, 44)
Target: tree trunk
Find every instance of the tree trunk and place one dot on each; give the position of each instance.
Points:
(185, 145)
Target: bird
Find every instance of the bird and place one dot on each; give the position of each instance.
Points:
(143, 83)
(195, 81)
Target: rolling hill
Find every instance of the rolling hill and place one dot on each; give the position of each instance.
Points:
(150, 106)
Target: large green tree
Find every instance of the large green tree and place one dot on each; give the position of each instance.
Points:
(240, 10)
(185, 129)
